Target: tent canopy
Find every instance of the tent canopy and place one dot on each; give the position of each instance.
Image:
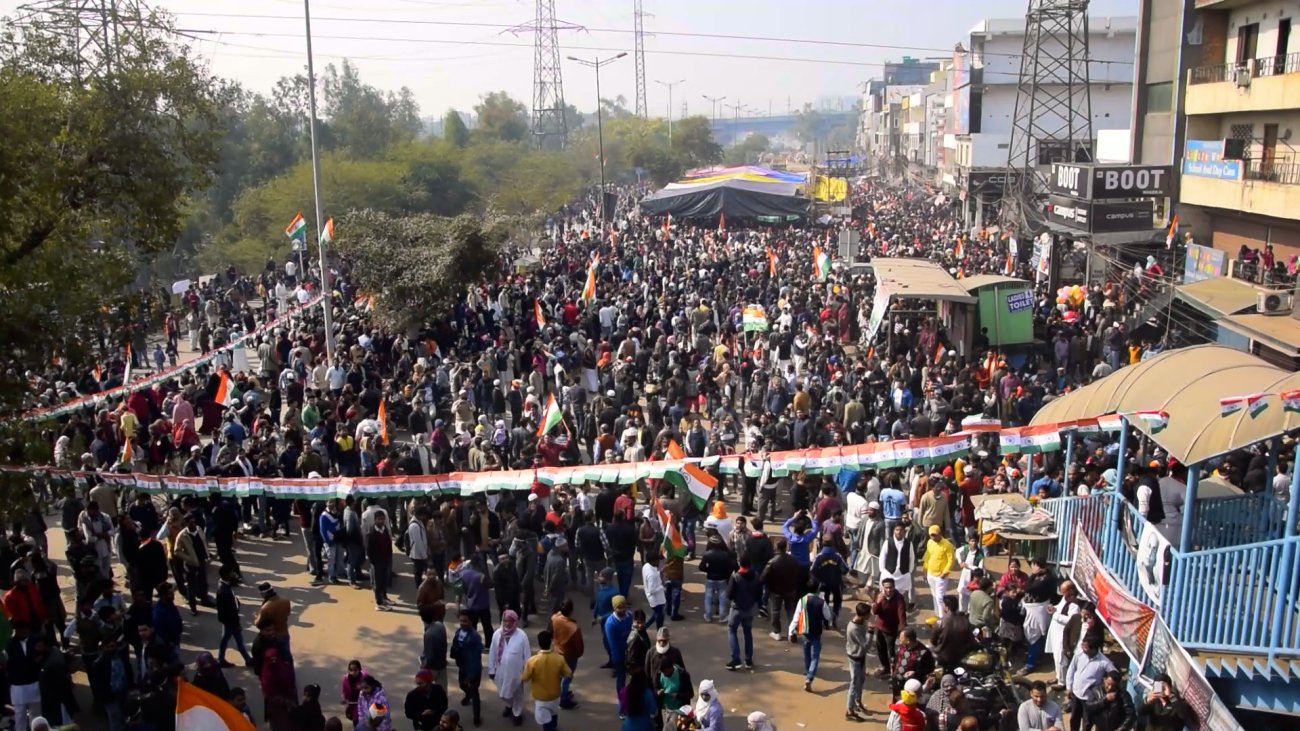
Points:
(970, 284)
(737, 197)
(1220, 296)
(919, 278)
(1187, 384)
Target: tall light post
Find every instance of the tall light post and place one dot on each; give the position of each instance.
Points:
(735, 121)
(715, 100)
(670, 85)
(325, 286)
(597, 63)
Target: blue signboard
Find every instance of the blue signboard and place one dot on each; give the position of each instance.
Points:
(1020, 301)
(1204, 159)
(1203, 262)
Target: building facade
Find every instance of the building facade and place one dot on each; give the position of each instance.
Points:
(1240, 174)
(986, 72)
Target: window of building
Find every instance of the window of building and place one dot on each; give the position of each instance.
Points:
(1241, 131)
(1160, 97)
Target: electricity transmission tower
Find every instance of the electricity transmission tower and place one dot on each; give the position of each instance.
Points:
(638, 26)
(94, 31)
(1053, 114)
(550, 127)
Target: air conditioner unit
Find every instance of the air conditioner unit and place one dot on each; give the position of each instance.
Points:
(1241, 76)
(1274, 303)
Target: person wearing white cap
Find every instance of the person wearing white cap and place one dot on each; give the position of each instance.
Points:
(868, 541)
(758, 721)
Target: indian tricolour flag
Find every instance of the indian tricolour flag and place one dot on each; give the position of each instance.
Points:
(981, 423)
(754, 318)
(1155, 420)
(297, 228)
(199, 710)
(821, 264)
(674, 450)
(551, 416)
(673, 543)
(1290, 400)
(1030, 439)
(225, 390)
(327, 232)
(589, 289)
(695, 480)
(1232, 404)
(1110, 422)
(537, 313)
(771, 263)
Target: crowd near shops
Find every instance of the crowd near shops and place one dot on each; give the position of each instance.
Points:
(616, 343)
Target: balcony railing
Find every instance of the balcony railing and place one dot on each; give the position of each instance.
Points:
(1272, 171)
(1255, 67)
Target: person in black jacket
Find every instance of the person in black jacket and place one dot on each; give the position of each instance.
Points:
(111, 678)
(622, 538)
(1113, 710)
(208, 676)
(744, 590)
(426, 703)
(379, 549)
(232, 623)
(717, 565)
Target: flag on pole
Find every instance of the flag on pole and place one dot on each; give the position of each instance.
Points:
(1110, 422)
(668, 223)
(958, 250)
(99, 373)
(551, 416)
(128, 454)
(199, 710)
(589, 289)
(225, 390)
(327, 232)
(1173, 232)
(382, 418)
(297, 228)
(821, 264)
(674, 450)
(697, 482)
(1009, 268)
(771, 263)
(673, 544)
(754, 318)
(722, 222)
(537, 312)
(938, 354)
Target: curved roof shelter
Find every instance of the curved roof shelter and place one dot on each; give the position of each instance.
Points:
(1187, 384)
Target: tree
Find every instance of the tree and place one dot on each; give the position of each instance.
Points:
(96, 175)
(418, 265)
(747, 149)
(500, 117)
(693, 138)
(454, 130)
(364, 120)
(807, 124)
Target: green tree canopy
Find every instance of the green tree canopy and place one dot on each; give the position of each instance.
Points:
(454, 130)
(747, 150)
(500, 117)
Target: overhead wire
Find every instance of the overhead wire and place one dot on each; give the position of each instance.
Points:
(624, 31)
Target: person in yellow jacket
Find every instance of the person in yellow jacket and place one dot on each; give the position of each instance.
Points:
(546, 671)
(939, 557)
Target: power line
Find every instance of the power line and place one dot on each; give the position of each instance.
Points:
(625, 31)
(507, 44)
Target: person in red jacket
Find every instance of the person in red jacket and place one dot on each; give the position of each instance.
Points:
(903, 713)
(23, 602)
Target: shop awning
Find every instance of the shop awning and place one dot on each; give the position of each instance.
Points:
(970, 284)
(1187, 384)
(1278, 331)
(1219, 296)
(919, 279)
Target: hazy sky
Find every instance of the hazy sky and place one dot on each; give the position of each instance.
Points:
(417, 43)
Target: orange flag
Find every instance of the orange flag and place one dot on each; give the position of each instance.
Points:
(383, 420)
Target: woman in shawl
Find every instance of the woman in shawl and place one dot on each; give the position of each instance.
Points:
(372, 707)
(350, 688)
(708, 708)
(758, 721)
(636, 704)
(208, 676)
(507, 656)
(279, 692)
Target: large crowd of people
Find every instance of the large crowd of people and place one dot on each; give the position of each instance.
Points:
(657, 357)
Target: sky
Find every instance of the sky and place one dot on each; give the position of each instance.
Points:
(452, 52)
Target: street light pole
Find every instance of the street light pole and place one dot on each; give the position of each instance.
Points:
(326, 288)
(670, 85)
(596, 63)
(715, 100)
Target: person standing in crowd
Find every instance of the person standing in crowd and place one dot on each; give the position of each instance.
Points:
(938, 561)
(546, 672)
(855, 649)
(1039, 713)
(1084, 679)
(810, 619)
(617, 628)
(466, 650)
(379, 550)
(567, 638)
(507, 656)
(230, 618)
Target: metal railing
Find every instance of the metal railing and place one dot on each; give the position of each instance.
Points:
(1227, 599)
(1272, 171)
(1256, 68)
(1238, 520)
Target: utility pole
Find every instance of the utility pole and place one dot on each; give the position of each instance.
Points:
(550, 122)
(326, 289)
(638, 33)
(670, 85)
(597, 63)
